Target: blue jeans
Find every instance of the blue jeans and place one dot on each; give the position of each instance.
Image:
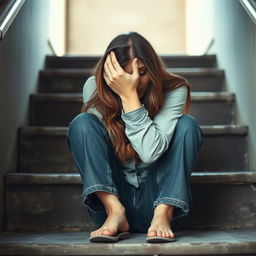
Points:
(167, 182)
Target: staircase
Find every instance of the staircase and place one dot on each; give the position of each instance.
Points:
(44, 212)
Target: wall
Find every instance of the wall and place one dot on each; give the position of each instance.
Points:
(199, 25)
(236, 50)
(93, 24)
(22, 53)
(235, 46)
(57, 21)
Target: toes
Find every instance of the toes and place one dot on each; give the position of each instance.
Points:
(152, 232)
(171, 234)
(94, 233)
(102, 231)
(159, 233)
(165, 234)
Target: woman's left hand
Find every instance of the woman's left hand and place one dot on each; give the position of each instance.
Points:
(121, 82)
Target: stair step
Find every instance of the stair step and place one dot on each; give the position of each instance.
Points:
(44, 202)
(170, 61)
(243, 177)
(44, 149)
(188, 242)
(72, 80)
(209, 108)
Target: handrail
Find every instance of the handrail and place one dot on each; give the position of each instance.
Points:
(250, 7)
(9, 11)
(209, 46)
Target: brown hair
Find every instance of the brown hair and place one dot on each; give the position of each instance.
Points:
(126, 47)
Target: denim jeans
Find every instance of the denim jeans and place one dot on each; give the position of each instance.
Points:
(167, 182)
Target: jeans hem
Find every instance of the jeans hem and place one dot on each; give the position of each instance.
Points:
(176, 202)
(95, 188)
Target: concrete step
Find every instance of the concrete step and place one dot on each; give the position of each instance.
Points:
(170, 61)
(44, 202)
(58, 109)
(44, 149)
(188, 242)
(72, 80)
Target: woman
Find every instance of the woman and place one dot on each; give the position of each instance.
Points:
(134, 144)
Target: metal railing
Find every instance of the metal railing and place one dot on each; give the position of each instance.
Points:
(250, 7)
(8, 11)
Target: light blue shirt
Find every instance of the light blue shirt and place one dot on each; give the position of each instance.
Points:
(150, 138)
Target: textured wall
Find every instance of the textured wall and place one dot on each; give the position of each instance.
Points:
(93, 24)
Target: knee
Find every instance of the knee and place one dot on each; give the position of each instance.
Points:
(84, 123)
(188, 125)
(187, 122)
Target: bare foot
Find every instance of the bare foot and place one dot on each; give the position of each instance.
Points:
(116, 222)
(160, 224)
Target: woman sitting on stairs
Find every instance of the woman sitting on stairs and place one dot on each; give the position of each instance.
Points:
(134, 143)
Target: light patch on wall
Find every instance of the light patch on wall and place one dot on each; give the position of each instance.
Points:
(57, 26)
(199, 26)
(123, 18)
(93, 24)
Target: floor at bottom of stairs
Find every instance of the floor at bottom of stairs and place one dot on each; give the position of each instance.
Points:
(231, 242)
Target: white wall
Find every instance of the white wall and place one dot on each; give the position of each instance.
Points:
(235, 47)
(22, 54)
(236, 51)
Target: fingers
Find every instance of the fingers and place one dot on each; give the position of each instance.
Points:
(135, 67)
(107, 69)
(115, 63)
(106, 77)
(113, 69)
(110, 66)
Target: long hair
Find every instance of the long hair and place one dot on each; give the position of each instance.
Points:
(108, 104)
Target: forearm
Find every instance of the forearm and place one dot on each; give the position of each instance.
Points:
(144, 136)
(151, 137)
(131, 102)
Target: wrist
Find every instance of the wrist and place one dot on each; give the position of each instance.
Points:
(129, 96)
(131, 102)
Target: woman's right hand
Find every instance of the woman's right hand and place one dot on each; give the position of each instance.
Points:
(121, 82)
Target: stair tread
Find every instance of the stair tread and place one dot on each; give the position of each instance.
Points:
(188, 242)
(83, 71)
(177, 60)
(74, 178)
(178, 56)
(195, 96)
(207, 129)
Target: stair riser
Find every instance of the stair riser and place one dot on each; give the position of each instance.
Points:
(59, 207)
(44, 153)
(47, 112)
(74, 83)
(223, 153)
(171, 61)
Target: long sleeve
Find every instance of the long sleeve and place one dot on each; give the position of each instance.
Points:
(88, 91)
(89, 88)
(151, 138)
